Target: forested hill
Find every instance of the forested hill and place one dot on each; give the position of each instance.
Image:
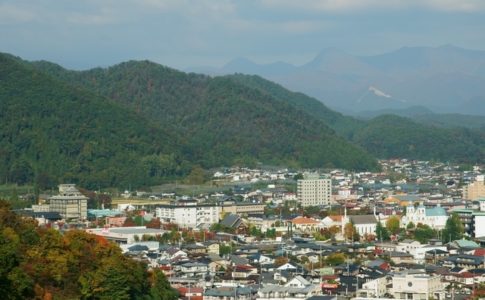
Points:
(393, 136)
(223, 121)
(51, 132)
(140, 123)
(390, 136)
(343, 125)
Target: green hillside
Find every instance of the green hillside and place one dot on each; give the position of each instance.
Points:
(392, 136)
(343, 125)
(52, 132)
(222, 120)
(451, 120)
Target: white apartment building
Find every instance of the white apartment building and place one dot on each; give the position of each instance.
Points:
(314, 191)
(70, 203)
(189, 216)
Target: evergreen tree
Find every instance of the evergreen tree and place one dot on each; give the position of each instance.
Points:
(382, 233)
(454, 229)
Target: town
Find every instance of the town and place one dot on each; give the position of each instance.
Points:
(415, 230)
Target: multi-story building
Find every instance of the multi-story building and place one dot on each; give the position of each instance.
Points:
(314, 191)
(189, 216)
(416, 286)
(242, 208)
(475, 190)
(374, 288)
(70, 203)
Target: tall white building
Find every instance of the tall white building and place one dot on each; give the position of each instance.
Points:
(314, 191)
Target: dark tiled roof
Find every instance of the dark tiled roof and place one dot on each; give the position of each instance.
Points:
(231, 220)
(363, 219)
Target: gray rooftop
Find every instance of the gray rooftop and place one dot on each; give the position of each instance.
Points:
(363, 219)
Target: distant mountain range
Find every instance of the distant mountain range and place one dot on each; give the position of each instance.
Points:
(445, 79)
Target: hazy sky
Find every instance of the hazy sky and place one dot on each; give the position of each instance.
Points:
(181, 33)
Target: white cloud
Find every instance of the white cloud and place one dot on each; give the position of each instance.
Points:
(192, 7)
(275, 27)
(91, 19)
(11, 14)
(342, 6)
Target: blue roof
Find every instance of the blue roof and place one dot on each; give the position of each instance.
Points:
(103, 213)
(436, 212)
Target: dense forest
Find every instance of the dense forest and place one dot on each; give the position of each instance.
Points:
(393, 136)
(139, 123)
(222, 120)
(456, 138)
(40, 263)
(51, 132)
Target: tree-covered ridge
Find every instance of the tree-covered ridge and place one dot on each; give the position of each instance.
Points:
(52, 132)
(222, 120)
(343, 125)
(388, 136)
(392, 136)
(38, 263)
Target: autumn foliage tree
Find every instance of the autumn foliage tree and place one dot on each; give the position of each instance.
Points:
(350, 232)
(40, 263)
(393, 224)
(154, 223)
(280, 260)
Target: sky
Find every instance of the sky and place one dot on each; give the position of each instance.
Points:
(193, 33)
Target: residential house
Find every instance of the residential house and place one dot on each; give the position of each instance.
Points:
(330, 221)
(212, 247)
(401, 257)
(243, 272)
(296, 288)
(235, 222)
(464, 261)
(193, 269)
(191, 293)
(228, 293)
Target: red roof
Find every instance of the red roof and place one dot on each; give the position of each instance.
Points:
(329, 277)
(466, 275)
(479, 252)
(192, 290)
(242, 268)
(336, 218)
(304, 220)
